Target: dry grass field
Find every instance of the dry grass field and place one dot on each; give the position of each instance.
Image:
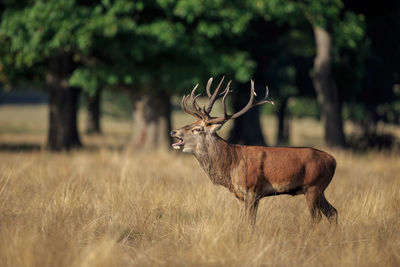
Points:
(100, 207)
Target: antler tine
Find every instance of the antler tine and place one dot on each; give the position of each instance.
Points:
(266, 96)
(223, 99)
(193, 98)
(196, 107)
(226, 116)
(214, 96)
(193, 91)
(265, 99)
(251, 103)
(208, 86)
(186, 109)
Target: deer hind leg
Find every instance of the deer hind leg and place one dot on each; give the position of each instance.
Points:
(251, 207)
(252, 212)
(313, 198)
(328, 210)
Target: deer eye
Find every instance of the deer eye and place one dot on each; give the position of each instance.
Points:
(197, 129)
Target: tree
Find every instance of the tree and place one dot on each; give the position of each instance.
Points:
(226, 27)
(93, 104)
(326, 90)
(63, 105)
(136, 55)
(287, 74)
(323, 17)
(377, 63)
(41, 38)
(158, 49)
(151, 121)
(247, 128)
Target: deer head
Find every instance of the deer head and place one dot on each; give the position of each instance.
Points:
(194, 136)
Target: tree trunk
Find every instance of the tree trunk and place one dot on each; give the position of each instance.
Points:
(151, 121)
(370, 122)
(283, 123)
(247, 128)
(326, 90)
(63, 102)
(93, 108)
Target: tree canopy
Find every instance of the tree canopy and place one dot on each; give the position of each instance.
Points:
(167, 46)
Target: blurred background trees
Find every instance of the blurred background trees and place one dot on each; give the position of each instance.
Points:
(343, 54)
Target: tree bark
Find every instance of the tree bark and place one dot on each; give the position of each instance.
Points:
(94, 113)
(370, 122)
(326, 90)
(151, 121)
(283, 123)
(247, 128)
(63, 106)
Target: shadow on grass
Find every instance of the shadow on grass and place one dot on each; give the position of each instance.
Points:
(17, 147)
(96, 148)
(31, 147)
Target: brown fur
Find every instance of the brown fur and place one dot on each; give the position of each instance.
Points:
(254, 172)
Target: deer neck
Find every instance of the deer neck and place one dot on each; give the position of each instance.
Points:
(216, 156)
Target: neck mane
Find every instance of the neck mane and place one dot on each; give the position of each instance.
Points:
(216, 157)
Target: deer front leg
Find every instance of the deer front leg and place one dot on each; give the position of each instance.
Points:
(248, 212)
(251, 206)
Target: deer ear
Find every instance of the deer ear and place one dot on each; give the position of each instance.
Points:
(215, 127)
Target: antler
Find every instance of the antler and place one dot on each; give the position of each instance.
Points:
(196, 110)
(251, 103)
(204, 113)
(212, 97)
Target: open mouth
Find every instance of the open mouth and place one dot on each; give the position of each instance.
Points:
(179, 144)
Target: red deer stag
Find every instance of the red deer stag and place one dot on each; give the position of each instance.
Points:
(254, 172)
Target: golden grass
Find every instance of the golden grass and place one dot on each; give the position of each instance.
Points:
(103, 208)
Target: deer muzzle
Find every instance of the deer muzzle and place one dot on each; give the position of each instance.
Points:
(180, 144)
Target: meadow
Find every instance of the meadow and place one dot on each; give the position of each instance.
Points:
(101, 207)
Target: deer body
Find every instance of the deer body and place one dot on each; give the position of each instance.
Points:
(254, 172)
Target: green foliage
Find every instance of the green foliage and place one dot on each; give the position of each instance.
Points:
(163, 45)
(354, 112)
(116, 105)
(38, 31)
(349, 32)
(350, 51)
(322, 13)
(303, 107)
(279, 11)
(298, 107)
(86, 79)
(170, 45)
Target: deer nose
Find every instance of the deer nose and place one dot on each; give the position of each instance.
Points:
(172, 133)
